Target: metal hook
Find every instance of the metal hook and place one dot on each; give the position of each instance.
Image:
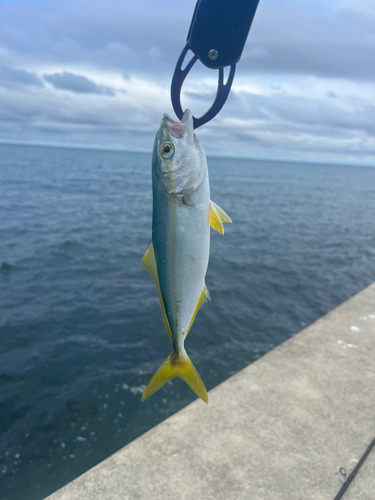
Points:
(178, 79)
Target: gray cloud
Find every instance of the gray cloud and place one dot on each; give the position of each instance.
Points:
(77, 83)
(309, 112)
(309, 63)
(18, 76)
(333, 42)
(250, 125)
(146, 36)
(140, 36)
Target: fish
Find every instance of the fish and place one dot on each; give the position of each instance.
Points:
(177, 257)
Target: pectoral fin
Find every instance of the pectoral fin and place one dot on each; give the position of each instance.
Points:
(149, 262)
(217, 217)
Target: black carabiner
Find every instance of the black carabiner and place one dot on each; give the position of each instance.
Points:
(217, 36)
(178, 80)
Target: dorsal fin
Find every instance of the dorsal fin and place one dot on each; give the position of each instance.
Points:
(217, 217)
(149, 262)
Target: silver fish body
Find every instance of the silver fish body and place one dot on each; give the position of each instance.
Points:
(180, 228)
(177, 257)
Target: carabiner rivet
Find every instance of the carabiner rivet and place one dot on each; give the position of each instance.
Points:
(213, 54)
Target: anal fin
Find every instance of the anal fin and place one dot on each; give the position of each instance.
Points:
(149, 262)
(204, 297)
(217, 217)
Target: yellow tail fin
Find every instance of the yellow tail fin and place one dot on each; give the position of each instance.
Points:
(173, 367)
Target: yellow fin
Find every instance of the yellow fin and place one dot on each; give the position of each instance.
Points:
(149, 262)
(173, 367)
(217, 217)
(222, 214)
(205, 296)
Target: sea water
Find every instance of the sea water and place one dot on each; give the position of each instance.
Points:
(81, 331)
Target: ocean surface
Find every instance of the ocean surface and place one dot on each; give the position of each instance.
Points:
(81, 331)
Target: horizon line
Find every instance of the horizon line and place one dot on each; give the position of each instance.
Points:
(281, 160)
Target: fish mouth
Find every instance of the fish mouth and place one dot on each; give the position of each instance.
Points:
(178, 130)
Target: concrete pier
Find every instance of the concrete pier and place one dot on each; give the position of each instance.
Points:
(278, 430)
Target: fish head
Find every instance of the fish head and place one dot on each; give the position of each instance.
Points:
(178, 157)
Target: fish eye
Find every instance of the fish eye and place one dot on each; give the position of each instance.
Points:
(167, 150)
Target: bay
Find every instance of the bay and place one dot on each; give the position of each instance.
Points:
(81, 331)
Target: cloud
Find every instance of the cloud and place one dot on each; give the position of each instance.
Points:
(77, 83)
(279, 122)
(303, 88)
(136, 35)
(332, 39)
(18, 76)
(335, 41)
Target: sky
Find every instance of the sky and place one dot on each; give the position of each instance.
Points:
(97, 74)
